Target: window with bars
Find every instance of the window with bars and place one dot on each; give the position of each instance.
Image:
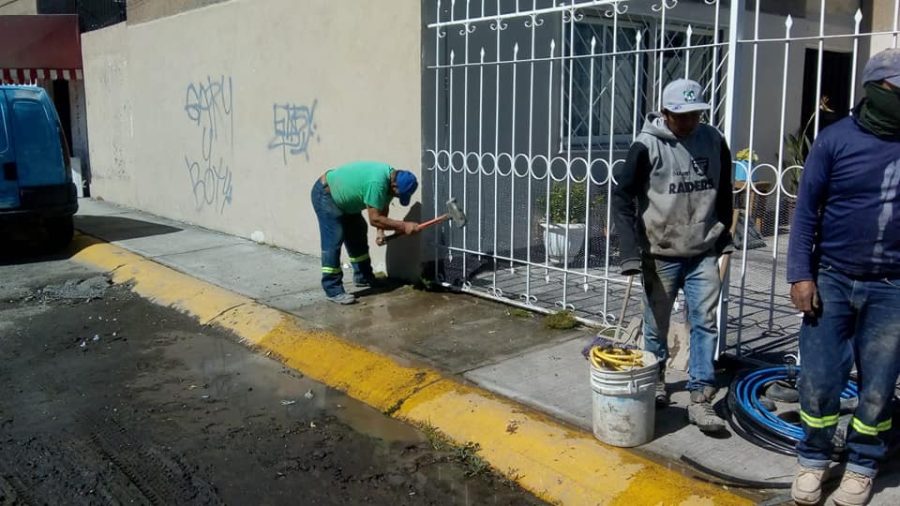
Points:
(621, 80)
(92, 14)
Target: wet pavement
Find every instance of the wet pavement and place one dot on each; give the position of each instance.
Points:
(506, 351)
(111, 399)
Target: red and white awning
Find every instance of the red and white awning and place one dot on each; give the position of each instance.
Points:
(28, 76)
(39, 47)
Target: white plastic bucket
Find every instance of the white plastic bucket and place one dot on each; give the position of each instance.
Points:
(624, 403)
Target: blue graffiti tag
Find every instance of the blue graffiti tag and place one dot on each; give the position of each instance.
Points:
(209, 105)
(209, 183)
(295, 128)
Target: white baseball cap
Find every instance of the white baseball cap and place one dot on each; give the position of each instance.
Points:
(683, 95)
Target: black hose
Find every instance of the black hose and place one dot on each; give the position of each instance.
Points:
(733, 481)
(749, 430)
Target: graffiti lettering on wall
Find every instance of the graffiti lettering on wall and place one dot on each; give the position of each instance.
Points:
(211, 185)
(209, 105)
(295, 128)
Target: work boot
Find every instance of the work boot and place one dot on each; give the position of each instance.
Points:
(701, 412)
(783, 391)
(369, 282)
(807, 486)
(343, 298)
(705, 393)
(662, 395)
(855, 490)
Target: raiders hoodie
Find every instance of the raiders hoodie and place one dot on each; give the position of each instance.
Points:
(674, 196)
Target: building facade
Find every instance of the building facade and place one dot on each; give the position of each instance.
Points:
(223, 113)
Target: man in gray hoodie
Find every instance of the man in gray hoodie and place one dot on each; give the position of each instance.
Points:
(672, 209)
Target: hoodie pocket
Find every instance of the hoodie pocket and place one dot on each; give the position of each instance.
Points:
(687, 239)
(657, 232)
(714, 232)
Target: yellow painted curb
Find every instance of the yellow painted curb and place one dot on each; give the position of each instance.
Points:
(558, 464)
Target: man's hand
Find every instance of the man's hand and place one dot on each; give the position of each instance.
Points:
(805, 297)
(379, 237)
(410, 227)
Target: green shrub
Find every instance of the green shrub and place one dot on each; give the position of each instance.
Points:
(577, 202)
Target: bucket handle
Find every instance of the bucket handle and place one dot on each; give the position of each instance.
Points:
(631, 388)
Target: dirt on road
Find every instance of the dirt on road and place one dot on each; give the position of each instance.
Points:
(110, 399)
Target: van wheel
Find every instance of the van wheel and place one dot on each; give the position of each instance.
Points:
(60, 232)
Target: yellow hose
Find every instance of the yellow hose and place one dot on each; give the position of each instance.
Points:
(616, 359)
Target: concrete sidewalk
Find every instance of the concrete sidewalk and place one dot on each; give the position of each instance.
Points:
(480, 341)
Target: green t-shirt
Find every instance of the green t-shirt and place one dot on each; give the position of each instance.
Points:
(358, 185)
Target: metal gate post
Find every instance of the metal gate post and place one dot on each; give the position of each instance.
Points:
(733, 87)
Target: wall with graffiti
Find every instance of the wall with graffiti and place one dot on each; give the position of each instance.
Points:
(225, 116)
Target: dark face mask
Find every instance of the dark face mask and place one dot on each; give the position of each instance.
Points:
(880, 111)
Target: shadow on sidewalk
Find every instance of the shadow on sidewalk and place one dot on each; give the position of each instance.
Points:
(30, 245)
(402, 257)
(674, 417)
(387, 285)
(889, 474)
(669, 420)
(115, 228)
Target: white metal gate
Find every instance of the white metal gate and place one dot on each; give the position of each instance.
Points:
(531, 103)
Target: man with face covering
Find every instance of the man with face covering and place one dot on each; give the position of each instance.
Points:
(672, 207)
(844, 269)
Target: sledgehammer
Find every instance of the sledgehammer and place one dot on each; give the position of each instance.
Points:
(454, 214)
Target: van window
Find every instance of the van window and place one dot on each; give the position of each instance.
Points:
(38, 152)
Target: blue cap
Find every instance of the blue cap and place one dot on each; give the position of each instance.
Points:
(406, 185)
(683, 95)
(884, 66)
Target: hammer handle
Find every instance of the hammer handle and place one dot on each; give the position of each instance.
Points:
(422, 226)
(439, 219)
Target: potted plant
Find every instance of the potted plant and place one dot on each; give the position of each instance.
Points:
(557, 226)
(742, 166)
(797, 146)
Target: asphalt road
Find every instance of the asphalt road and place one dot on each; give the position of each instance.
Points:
(110, 399)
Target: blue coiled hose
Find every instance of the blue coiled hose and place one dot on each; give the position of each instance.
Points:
(754, 422)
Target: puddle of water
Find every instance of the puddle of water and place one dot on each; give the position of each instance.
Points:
(226, 371)
(367, 420)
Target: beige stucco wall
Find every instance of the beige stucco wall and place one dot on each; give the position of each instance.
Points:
(17, 7)
(182, 110)
(880, 17)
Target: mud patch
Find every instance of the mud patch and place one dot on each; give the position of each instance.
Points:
(121, 401)
(78, 290)
(105, 468)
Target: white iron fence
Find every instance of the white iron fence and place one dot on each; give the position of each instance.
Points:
(531, 104)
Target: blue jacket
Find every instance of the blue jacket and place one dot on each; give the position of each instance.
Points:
(848, 206)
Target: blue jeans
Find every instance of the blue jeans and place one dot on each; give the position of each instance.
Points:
(335, 229)
(859, 323)
(699, 278)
